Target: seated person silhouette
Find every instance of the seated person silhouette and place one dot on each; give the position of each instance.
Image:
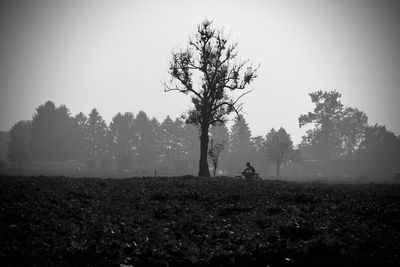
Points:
(249, 171)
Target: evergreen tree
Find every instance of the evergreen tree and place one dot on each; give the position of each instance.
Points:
(145, 141)
(19, 149)
(219, 133)
(191, 146)
(240, 144)
(257, 155)
(98, 141)
(172, 145)
(52, 133)
(81, 138)
(121, 128)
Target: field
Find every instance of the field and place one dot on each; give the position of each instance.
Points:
(187, 221)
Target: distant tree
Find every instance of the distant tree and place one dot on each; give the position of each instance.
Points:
(209, 57)
(258, 143)
(278, 146)
(181, 164)
(155, 137)
(352, 130)
(241, 136)
(121, 128)
(257, 154)
(337, 130)
(52, 133)
(98, 141)
(295, 155)
(191, 146)
(171, 143)
(241, 145)
(214, 153)
(81, 137)
(379, 152)
(145, 140)
(19, 149)
(220, 133)
(4, 140)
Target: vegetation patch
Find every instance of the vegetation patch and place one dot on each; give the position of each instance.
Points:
(59, 221)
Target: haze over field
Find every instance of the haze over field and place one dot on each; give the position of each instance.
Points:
(113, 56)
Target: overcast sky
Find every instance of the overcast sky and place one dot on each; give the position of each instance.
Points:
(113, 56)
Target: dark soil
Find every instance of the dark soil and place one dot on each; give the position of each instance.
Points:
(187, 221)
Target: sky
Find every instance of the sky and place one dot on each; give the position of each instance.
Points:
(113, 56)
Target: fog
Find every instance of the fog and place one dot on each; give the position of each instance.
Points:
(134, 145)
(83, 89)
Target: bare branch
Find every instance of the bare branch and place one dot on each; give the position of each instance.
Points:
(185, 90)
(245, 93)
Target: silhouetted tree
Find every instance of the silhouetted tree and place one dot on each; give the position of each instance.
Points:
(98, 141)
(214, 152)
(209, 57)
(338, 130)
(278, 146)
(52, 133)
(19, 149)
(121, 128)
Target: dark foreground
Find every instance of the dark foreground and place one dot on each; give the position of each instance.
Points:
(57, 221)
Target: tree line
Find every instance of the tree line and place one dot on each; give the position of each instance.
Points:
(341, 138)
(129, 142)
(138, 143)
(338, 134)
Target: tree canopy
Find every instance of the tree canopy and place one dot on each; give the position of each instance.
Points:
(337, 131)
(52, 133)
(278, 146)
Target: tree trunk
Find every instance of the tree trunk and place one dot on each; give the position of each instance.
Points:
(215, 169)
(278, 168)
(203, 166)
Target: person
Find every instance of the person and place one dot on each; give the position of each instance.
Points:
(249, 171)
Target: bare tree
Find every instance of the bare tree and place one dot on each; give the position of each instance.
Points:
(210, 58)
(214, 153)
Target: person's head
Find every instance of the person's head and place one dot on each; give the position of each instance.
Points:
(248, 164)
